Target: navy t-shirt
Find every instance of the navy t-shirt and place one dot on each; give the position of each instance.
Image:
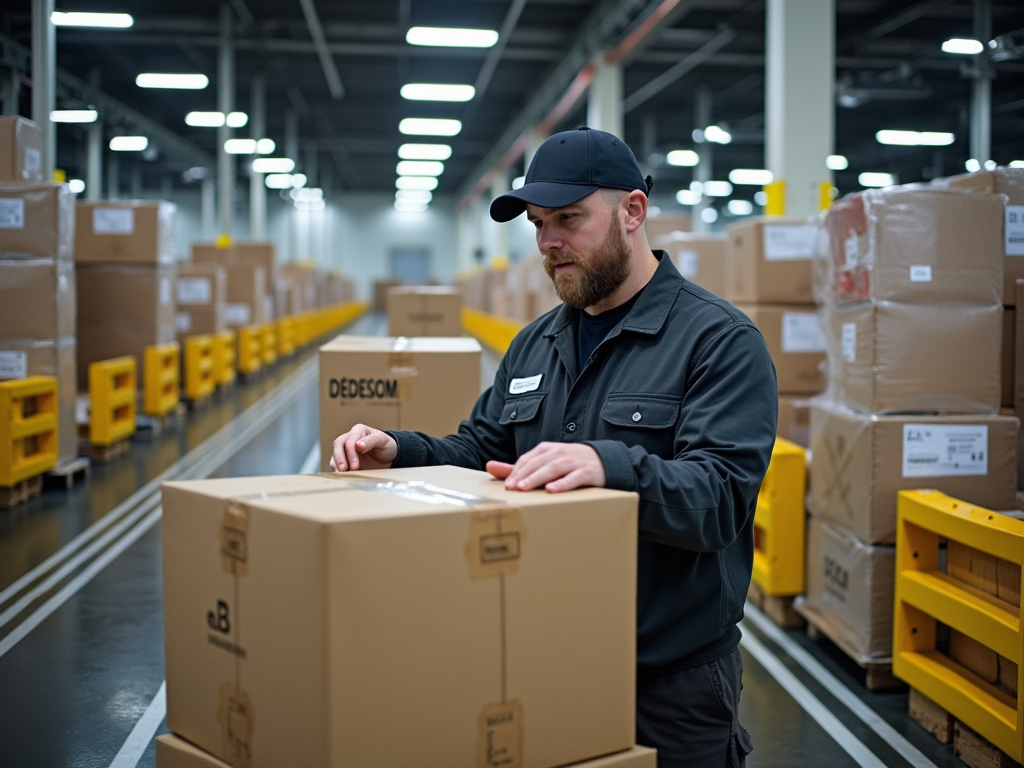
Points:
(594, 328)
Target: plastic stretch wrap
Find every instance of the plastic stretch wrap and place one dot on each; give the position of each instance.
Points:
(37, 219)
(897, 357)
(37, 298)
(913, 243)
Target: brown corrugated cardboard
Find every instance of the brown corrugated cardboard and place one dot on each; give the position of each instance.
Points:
(663, 225)
(860, 462)
(422, 384)
(914, 243)
(399, 617)
(122, 309)
(700, 258)
(21, 149)
(247, 295)
(1018, 361)
(849, 590)
(37, 218)
(902, 357)
(795, 419)
(425, 310)
(258, 254)
(125, 232)
(380, 293)
(769, 260)
(201, 292)
(1009, 182)
(37, 299)
(1008, 359)
(796, 342)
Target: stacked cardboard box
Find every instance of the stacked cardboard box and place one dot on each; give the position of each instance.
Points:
(425, 310)
(201, 293)
(910, 283)
(37, 277)
(767, 275)
(252, 274)
(124, 252)
(700, 258)
(520, 290)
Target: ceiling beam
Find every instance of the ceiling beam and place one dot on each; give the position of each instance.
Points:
(894, 22)
(316, 31)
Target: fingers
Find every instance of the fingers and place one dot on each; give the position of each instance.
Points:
(345, 457)
(527, 464)
(578, 478)
(547, 472)
(499, 469)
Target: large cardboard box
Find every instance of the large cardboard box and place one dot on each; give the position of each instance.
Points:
(700, 258)
(122, 309)
(421, 384)
(380, 293)
(37, 219)
(247, 295)
(201, 292)
(795, 419)
(401, 617)
(258, 254)
(125, 232)
(20, 358)
(425, 310)
(901, 357)
(21, 149)
(37, 299)
(849, 591)
(769, 261)
(860, 462)
(1009, 182)
(664, 225)
(915, 243)
(1008, 358)
(796, 342)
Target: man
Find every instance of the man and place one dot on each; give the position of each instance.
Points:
(640, 381)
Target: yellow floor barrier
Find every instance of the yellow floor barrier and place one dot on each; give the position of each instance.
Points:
(925, 596)
(268, 343)
(161, 387)
(111, 400)
(250, 349)
(285, 336)
(28, 428)
(224, 358)
(496, 332)
(199, 367)
(780, 522)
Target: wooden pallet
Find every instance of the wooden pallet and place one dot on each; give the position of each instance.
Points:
(67, 474)
(101, 454)
(974, 750)
(199, 403)
(152, 427)
(778, 609)
(21, 492)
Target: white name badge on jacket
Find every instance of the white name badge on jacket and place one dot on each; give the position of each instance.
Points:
(518, 386)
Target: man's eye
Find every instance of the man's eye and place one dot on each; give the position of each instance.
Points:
(567, 216)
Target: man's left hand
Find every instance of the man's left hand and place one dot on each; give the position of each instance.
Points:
(557, 467)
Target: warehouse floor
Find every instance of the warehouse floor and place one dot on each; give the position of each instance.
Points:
(81, 634)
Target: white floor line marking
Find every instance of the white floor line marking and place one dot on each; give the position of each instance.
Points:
(831, 683)
(135, 745)
(810, 703)
(312, 462)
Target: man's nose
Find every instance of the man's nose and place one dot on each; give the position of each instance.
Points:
(548, 239)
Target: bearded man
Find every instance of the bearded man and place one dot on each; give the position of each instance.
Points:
(641, 381)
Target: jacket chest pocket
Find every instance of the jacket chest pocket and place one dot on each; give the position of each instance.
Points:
(522, 415)
(642, 419)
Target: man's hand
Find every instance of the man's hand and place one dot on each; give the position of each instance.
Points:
(556, 466)
(363, 447)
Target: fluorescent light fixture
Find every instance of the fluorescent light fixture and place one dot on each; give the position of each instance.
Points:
(416, 182)
(414, 195)
(240, 146)
(451, 37)
(717, 135)
(688, 197)
(990, 165)
(420, 168)
(307, 193)
(757, 177)
(182, 81)
(741, 207)
(77, 186)
(437, 92)
(237, 119)
(709, 215)
(518, 182)
(278, 180)
(424, 152)
(966, 46)
(429, 126)
(205, 119)
(265, 146)
(972, 165)
(73, 116)
(273, 165)
(837, 163)
(873, 179)
(717, 188)
(310, 205)
(915, 138)
(128, 143)
(685, 158)
(406, 207)
(1017, 163)
(82, 19)
(761, 198)
(298, 180)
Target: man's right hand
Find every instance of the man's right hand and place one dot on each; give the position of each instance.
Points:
(363, 447)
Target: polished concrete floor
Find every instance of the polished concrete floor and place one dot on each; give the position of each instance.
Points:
(81, 632)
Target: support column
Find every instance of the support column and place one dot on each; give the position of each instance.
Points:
(10, 86)
(499, 231)
(257, 188)
(702, 104)
(311, 166)
(291, 135)
(94, 161)
(135, 193)
(226, 104)
(208, 207)
(114, 177)
(604, 101)
(799, 101)
(44, 81)
(981, 87)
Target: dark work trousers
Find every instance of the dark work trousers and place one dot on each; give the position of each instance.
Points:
(692, 716)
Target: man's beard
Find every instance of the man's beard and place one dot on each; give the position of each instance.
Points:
(599, 276)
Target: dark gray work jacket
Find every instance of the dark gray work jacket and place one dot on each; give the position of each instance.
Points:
(680, 402)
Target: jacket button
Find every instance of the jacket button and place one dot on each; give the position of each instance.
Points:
(571, 426)
(636, 416)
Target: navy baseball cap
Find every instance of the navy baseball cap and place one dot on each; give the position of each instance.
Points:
(569, 166)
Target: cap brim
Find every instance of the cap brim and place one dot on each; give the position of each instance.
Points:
(546, 194)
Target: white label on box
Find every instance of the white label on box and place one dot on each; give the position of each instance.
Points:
(113, 221)
(33, 164)
(12, 213)
(920, 273)
(1015, 230)
(787, 242)
(195, 290)
(530, 383)
(852, 249)
(689, 263)
(945, 450)
(183, 322)
(237, 314)
(13, 365)
(801, 332)
(165, 291)
(849, 342)
(268, 308)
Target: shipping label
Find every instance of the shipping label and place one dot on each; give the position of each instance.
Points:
(849, 342)
(920, 273)
(13, 365)
(195, 290)
(852, 251)
(33, 164)
(113, 221)
(165, 291)
(801, 333)
(945, 450)
(12, 213)
(499, 742)
(1015, 230)
(689, 263)
(237, 314)
(789, 242)
(183, 322)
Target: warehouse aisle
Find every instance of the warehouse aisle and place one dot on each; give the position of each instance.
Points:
(81, 633)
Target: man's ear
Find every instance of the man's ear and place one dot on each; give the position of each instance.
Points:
(635, 204)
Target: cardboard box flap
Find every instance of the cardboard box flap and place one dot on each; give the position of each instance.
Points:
(413, 344)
